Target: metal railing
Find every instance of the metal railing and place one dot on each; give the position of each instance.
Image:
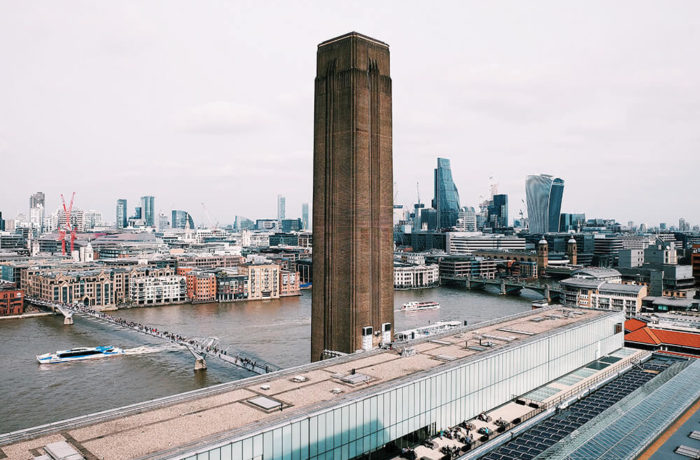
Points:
(198, 347)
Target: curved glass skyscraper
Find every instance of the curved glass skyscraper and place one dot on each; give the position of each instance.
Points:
(544, 194)
(446, 201)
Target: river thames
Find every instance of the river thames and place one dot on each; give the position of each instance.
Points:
(276, 330)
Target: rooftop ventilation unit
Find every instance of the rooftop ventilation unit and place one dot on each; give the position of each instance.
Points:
(355, 379)
(265, 403)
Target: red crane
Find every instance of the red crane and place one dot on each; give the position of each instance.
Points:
(67, 226)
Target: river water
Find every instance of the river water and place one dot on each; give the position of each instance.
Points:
(276, 330)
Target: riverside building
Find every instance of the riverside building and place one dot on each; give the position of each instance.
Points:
(410, 276)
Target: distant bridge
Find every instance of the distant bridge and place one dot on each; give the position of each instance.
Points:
(200, 348)
(506, 286)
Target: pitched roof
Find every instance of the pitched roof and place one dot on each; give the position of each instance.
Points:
(633, 324)
(662, 336)
(643, 335)
(684, 339)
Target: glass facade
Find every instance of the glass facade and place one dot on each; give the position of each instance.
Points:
(305, 215)
(147, 210)
(437, 401)
(498, 211)
(555, 204)
(446, 201)
(121, 214)
(180, 219)
(544, 196)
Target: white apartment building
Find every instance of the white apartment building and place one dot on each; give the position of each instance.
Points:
(416, 276)
(158, 290)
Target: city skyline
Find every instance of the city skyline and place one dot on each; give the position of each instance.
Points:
(514, 103)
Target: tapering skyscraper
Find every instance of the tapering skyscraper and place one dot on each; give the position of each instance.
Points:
(353, 295)
(544, 195)
(446, 198)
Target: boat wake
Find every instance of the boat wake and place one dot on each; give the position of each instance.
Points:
(147, 349)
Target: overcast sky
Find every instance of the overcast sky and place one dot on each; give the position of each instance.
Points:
(212, 101)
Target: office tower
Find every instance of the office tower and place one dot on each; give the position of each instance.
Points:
(92, 219)
(163, 223)
(544, 194)
(122, 219)
(305, 215)
(138, 213)
(37, 204)
(353, 292)
(37, 199)
(148, 210)
(446, 200)
(2, 223)
(555, 204)
(281, 214)
(498, 211)
(181, 219)
(571, 222)
(467, 220)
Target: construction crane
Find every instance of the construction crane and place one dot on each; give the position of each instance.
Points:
(68, 226)
(213, 225)
(418, 191)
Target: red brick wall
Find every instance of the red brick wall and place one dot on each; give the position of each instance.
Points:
(11, 302)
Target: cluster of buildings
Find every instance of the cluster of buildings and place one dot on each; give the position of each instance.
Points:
(149, 273)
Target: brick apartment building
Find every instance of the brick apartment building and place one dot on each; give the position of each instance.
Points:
(11, 299)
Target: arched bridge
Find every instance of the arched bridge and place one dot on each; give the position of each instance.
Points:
(549, 290)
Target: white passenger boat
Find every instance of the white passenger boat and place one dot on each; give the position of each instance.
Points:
(417, 306)
(78, 354)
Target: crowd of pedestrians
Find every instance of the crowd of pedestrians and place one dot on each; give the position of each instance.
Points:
(173, 337)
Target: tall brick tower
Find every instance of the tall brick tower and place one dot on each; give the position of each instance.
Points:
(353, 288)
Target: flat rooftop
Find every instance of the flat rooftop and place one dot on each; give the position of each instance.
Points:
(168, 425)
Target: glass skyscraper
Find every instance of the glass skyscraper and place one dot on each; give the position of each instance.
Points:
(180, 219)
(122, 221)
(281, 205)
(305, 215)
(147, 210)
(544, 195)
(446, 201)
(498, 211)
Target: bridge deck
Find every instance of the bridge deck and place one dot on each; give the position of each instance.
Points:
(197, 348)
(165, 426)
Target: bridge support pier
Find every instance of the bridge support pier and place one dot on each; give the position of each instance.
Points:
(200, 364)
(68, 320)
(504, 291)
(547, 294)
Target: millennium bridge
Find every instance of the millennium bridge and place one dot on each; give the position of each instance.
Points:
(200, 348)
